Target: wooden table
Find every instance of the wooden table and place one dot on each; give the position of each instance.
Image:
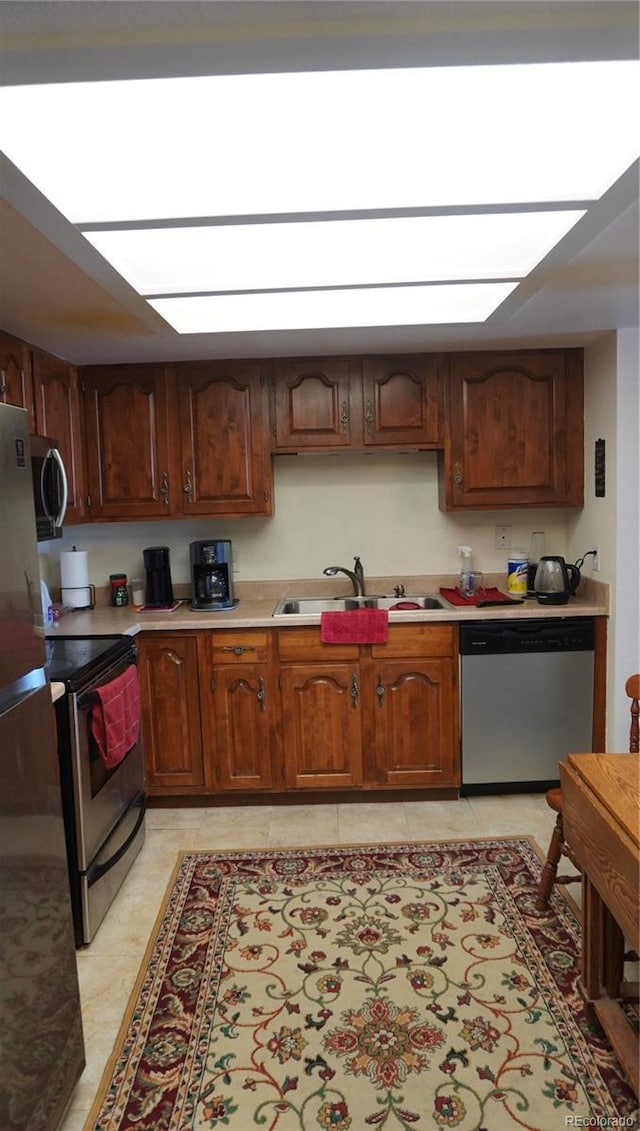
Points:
(601, 804)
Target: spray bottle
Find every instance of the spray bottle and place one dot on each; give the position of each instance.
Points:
(465, 569)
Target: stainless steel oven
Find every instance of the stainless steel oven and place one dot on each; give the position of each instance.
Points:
(104, 809)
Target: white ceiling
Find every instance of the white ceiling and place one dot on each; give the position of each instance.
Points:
(57, 292)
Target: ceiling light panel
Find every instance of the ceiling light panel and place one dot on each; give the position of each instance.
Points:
(339, 253)
(271, 143)
(302, 310)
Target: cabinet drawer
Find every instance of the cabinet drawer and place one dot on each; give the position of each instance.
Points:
(245, 646)
(416, 640)
(302, 644)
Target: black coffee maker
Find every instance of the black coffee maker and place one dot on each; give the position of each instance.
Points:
(211, 575)
(158, 592)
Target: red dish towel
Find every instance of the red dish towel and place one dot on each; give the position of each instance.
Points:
(355, 626)
(454, 596)
(115, 718)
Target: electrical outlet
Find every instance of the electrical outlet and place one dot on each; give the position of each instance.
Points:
(503, 537)
(596, 558)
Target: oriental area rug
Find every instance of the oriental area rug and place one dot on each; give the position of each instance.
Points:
(403, 986)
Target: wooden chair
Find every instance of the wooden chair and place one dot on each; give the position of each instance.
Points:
(558, 847)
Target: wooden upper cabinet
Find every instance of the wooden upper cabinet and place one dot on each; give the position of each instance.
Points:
(312, 403)
(223, 449)
(401, 401)
(15, 375)
(127, 448)
(514, 430)
(57, 412)
(355, 403)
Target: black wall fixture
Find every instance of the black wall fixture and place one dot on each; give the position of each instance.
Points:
(599, 469)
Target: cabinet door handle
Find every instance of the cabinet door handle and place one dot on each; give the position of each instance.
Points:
(164, 488)
(261, 694)
(188, 486)
(369, 415)
(355, 691)
(344, 416)
(380, 689)
(457, 474)
(238, 649)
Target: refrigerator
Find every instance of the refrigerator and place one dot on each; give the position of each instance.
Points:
(41, 1039)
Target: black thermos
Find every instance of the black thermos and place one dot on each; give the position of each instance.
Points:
(158, 587)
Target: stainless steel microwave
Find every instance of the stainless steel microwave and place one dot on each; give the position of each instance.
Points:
(50, 489)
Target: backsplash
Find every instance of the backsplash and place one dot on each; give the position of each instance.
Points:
(327, 509)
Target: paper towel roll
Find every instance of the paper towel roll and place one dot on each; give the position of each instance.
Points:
(74, 578)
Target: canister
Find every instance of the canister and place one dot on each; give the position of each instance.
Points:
(517, 573)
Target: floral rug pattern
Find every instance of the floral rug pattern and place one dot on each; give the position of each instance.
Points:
(395, 986)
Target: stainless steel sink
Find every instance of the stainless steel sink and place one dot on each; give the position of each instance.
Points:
(313, 606)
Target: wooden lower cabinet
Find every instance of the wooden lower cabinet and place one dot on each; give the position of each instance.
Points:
(240, 710)
(411, 733)
(380, 716)
(170, 697)
(273, 710)
(321, 725)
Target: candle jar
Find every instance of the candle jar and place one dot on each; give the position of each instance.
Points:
(119, 592)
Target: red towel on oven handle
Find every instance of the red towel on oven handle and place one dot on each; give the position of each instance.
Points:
(115, 718)
(355, 626)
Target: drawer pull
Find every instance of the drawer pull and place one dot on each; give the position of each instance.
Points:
(261, 693)
(164, 488)
(238, 649)
(355, 691)
(380, 689)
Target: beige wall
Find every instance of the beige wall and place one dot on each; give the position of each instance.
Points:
(612, 413)
(383, 507)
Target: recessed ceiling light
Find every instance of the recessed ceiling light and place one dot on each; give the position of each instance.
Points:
(286, 183)
(298, 310)
(324, 141)
(236, 257)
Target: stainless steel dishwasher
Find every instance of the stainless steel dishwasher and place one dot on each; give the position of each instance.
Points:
(527, 701)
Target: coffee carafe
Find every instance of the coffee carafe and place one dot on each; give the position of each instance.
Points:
(211, 575)
(158, 592)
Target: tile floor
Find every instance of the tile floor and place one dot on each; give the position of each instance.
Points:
(108, 968)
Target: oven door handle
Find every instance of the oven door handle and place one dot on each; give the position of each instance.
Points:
(96, 871)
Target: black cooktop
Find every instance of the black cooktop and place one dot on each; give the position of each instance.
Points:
(72, 659)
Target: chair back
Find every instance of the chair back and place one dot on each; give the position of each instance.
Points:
(632, 688)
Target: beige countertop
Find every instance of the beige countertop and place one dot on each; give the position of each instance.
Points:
(57, 691)
(258, 600)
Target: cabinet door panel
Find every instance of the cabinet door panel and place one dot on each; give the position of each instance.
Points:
(57, 407)
(322, 728)
(312, 403)
(171, 710)
(226, 465)
(126, 442)
(414, 733)
(401, 400)
(242, 714)
(15, 376)
(515, 430)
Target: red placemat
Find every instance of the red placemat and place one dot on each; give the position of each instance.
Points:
(454, 596)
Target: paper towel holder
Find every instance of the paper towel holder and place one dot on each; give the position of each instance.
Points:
(82, 589)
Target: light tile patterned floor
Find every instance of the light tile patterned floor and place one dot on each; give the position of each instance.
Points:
(108, 968)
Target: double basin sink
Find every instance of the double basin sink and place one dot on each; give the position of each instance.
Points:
(312, 606)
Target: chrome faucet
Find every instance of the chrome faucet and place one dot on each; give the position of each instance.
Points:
(356, 575)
